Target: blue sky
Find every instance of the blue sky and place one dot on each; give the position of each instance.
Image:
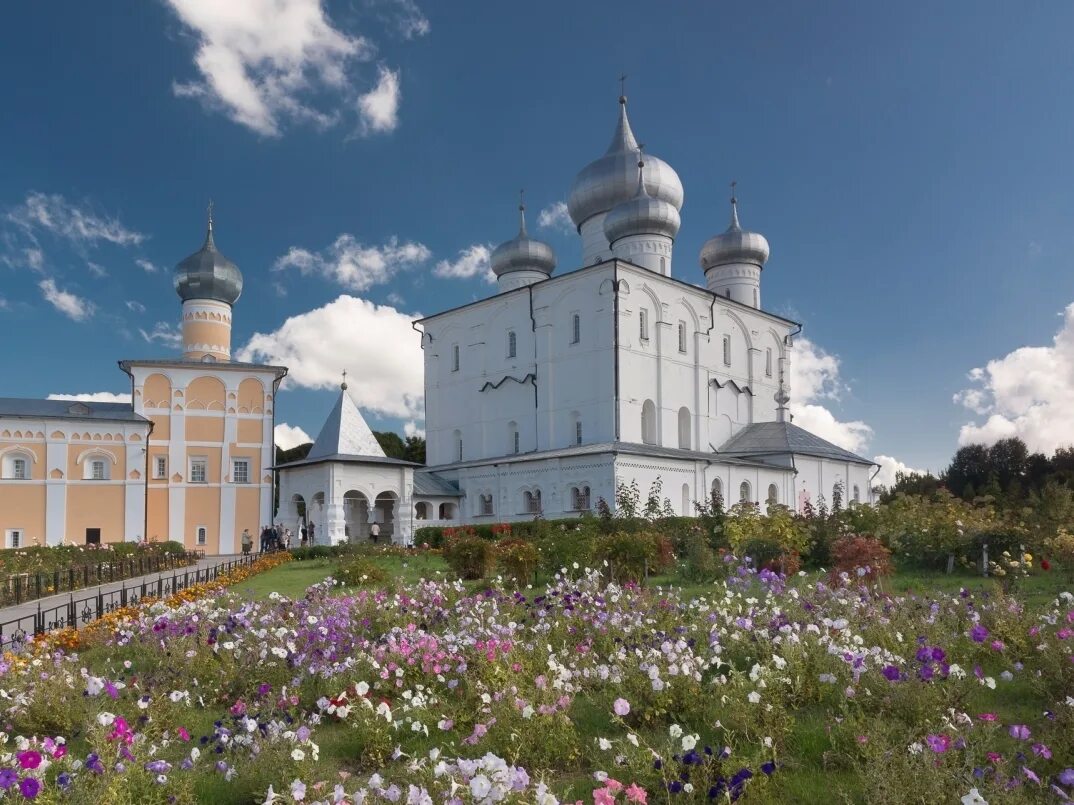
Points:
(909, 164)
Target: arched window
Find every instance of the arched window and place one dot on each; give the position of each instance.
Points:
(532, 501)
(96, 466)
(717, 491)
(576, 328)
(447, 511)
(486, 505)
(18, 469)
(857, 494)
(768, 362)
(513, 439)
(458, 445)
(16, 465)
(580, 498)
(512, 344)
(682, 336)
(643, 324)
(421, 511)
(727, 350)
(773, 496)
(648, 422)
(744, 492)
(686, 500)
(684, 428)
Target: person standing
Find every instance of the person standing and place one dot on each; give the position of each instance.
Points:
(247, 542)
(305, 536)
(313, 533)
(374, 532)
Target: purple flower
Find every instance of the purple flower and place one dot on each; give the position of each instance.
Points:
(29, 759)
(1030, 775)
(8, 778)
(29, 787)
(1042, 751)
(938, 654)
(1066, 776)
(978, 633)
(1019, 732)
(621, 707)
(938, 743)
(891, 673)
(768, 767)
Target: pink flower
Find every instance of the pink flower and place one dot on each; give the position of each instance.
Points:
(636, 793)
(183, 733)
(1042, 751)
(613, 785)
(621, 707)
(995, 757)
(987, 716)
(938, 743)
(1019, 732)
(602, 796)
(29, 759)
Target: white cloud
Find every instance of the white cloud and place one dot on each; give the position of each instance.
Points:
(814, 377)
(94, 396)
(889, 466)
(379, 108)
(146, 266)
(164, 333)
(374, 343)
(135, 306)
(73, 306)
(1028, 393)
(409, 19)
(80, 225)
(263, 61)
(473, 261)
(354, 265)
(288, 436)
(96, 270)
(555, 216)
(35, 258)
(411, 428)
(4, 304)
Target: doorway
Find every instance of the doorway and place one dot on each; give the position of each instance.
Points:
(93, 536)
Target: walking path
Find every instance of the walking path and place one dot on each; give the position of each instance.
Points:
(29, 609)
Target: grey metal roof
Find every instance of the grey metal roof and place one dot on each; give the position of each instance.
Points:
(345, 432)
(280, 371)
(775, 439)
(343, 458)
(207, 274)
(69, 409)
(432, 485)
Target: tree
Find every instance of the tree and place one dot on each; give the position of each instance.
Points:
(970, 467)
(414, 449)
(391, 443)
(1007, 458)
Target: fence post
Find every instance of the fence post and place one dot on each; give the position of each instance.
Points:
(72, 613)
(18, 589)
(100, 603)
(37, 582)
(39, 621)
(56, 580)
(123, 595)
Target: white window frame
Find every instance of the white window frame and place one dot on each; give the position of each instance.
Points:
(454, 357)
(768, 362)
(20, 469)
(512, 344)
(643, 324)
(201, 535)
(727, 350)
(682, 337)
(576, 328)
(160, 467)
(486, 506)
(203, 462)
(15, 538)
(235, 462)
(745, 492)
(95, 465)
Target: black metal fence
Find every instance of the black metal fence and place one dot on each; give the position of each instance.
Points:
(18, 588)
(76, 612)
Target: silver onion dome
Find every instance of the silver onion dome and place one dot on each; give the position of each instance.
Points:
(611, 180)
(207, 274)
(522, 253)
(735, 245)
(642, 214)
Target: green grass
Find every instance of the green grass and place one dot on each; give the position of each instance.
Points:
(290, 579)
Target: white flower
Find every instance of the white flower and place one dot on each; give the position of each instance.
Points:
(916, 748)
(106, 719)
(689, 742)
(362, 688)
(675, 731)
(527, 711)
(974, 798)
(480, 787)
(604, 744)
(632, 738)
(297, 754)
(754, 697)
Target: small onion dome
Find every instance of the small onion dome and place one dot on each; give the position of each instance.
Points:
(522, 253)
(735, 245)
(642, 215)
(207, 274)
(610, 180)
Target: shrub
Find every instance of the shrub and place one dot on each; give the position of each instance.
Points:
(860, 555)
(468, 554)
(770, 554)
(358, 571)
(631, 556)
(778, 531)
(563, 547)
(699, 563)
(517, 558)
(1061, 549)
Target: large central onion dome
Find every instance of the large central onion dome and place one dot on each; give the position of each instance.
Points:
(522, 253)
(642, 214)
(207, 274)
(611, 180)
(735, 245)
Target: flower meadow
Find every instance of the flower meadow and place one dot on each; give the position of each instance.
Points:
(762, 689)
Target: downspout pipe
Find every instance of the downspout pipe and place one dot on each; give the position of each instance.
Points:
(615, 346)
(536, 412)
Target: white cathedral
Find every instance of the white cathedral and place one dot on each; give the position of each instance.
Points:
(544, 397)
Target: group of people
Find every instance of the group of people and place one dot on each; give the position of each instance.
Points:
(276, 538)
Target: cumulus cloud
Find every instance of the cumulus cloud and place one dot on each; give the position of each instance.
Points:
(412, 428)
(163, 333)
(354, 265)
(814, 379)
(262, 61)
(555, 216)
(52, 213)
(94, 397)
(889, 466)
(146, 266)
(288, 436)
(374, 343)
(135, 306)
(71, 305)
(1028, 393)
(379, 108)
(473, 261)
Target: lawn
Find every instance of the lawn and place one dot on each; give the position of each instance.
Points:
(754, 690)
